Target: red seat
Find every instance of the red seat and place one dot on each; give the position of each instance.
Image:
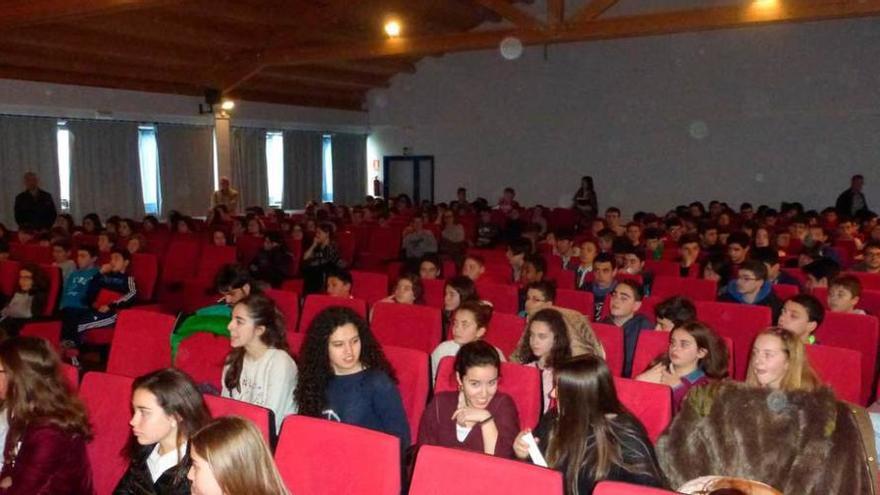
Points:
(141, 343)
(71, 374)
(578, 300)
(407, 325)
(784, 291)
(288, 304)
(295, 342)
(840, 369)
(869, 301)
(8, 277)
(365, 462)
(694, 288)
(382, 244)
(505, 331)
(202, 356)
(145, 270)
(107, 398)
(179, 261)
(248, 246)
(197, 293)
(212, 259)
(412, 370)
(48, 330)
(870, 281)
(522, 383)
(612, 341)
(740, 322)
(504, 297)
(55, 283)
(855, 332)
(31, 253)
(648, 304)
(449, 270)
(345, 242)
(662, 268)
(476, 473)
(497, 272)
(618, 488)
(259, 416)
(369, 286)
(315, 303)
(653, 344)
(797, 274)
(435, 291)
(564, 279)
(293, 285)
(651, 403)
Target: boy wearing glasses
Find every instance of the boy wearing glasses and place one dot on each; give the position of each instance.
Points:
(751, 287)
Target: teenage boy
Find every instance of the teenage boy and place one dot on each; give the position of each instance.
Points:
(588, 252)
(689, 256)
(612, 220)
(487, 231)
(844, 294)
(566, 249)
(871, 263)
(626, 299)
(61, 258)
(538, 295)
(820, 272)
(775, 275)
(533, 269)
(801, 315)
(738, 249)
(109, 291)
(603, 282)
(339, 283)
(473, 267)
(751, 287)
(73, 294)
(516, 253)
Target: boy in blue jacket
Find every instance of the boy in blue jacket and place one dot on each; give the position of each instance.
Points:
(110, 290)
(73, 294)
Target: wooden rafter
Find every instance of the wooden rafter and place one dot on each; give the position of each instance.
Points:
(513, 14)
(555, 12)
(615, 27)
(591, 11)
(101, 81)
(33, 12)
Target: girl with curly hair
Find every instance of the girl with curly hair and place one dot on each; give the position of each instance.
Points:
(545, 345)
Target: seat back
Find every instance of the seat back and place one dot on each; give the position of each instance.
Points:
(315, 303)
(369, 286)
(434, 292)
(141, 343)
(201, 356)
(522, 383)
(212, 259)
(618, 488)
(478, 473)
(365, 462)
(565, 279)
(413, 370)
(178, 262)
(407, 325)
(695, 288)
(662, 268)
(856, 332)
(55, 283)
(288, 303)
(740, 322)
(870, 281)
(248, 246)
(651, 403)
(8, 277)
(784, 291)
(145, 270)
(578, 300)
(48, 330)
(259, 416)
(107, 398)
(653, 344)
(30, 253)
(869, 301)
(505, 331)
(611, 338)
(840, 369)
(504, 297)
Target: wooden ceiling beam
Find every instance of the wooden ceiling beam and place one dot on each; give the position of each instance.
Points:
(711, 18)
(513, 14)
(555, 12)
(591, 11)
(34, 12)
(101, 81)
(330, 77)
(189, 32)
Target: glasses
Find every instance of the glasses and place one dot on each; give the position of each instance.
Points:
(747, 279)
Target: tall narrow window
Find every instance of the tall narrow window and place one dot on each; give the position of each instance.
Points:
(149, 161)
(64, 165)
(275, 167)
(327, 189)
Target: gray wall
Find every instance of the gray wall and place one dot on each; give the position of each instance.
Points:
(759, 114)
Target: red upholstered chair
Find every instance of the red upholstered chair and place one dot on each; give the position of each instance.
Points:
(48, 330)
(106, 398)
(870, 281)
(71, 374)
(345, 242)
(476, 473)
(248, 246)
(796, 273)
(8, 277)
(648, 304)
(293, 285)
(505, 331)
(840, 369)
(784, 291)
(564, 279)
(413, 371)
(662, 268)
(145, 270)
(504, 297)
(201, 356)
(369, 286)
(869, 301)
(365, 462)
(855, 332)
(316, 303)
(407, 325)
(31, 253)
(578, 300)
(522, 383)
(288, 304)
(611, 338)
(740, 322)
(695, 288)
(212, 259)
(141, 343)
(435, 291)
(618, 488)
(55, 283)
(653, 344)
(649, 402)
(295, 342)
(259, 416)
(178, 264)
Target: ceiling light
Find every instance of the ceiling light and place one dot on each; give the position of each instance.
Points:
(227, 105)
(392, 28)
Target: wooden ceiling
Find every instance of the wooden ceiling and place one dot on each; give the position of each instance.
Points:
(325, 53)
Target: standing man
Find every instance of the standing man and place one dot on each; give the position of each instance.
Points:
(226, 195)
(852, 202)
(34, 207)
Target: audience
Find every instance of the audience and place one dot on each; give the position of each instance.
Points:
(319, 259)
(844, 294)
(109, 291)
(469, 323)
(801, 315)
(457, 290)
(407, 290)
(272, 263)
(674, 312)
(603, 282)
(751, 287)
(27, 303)
(339, 283)
(544, 344)
(779, 362)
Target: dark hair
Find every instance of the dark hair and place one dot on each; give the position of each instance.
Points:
(316, 370)
(537, 261)
(564, 234)
(740, 238)
(95, 220)
(233, 276)
(63, 244)
(341, 274)
(546, 287)
(717, 357)
(121, 252)
(476, 353)
(519, 246)
(756, 267)
(89, 248)
(850, 283)
(688, 239)
(467, 290)
(612, 209)
(417, 287)
(604, 258)
(637, 288)
(434, 259)
(275, 237)
(263, 311)
(561, 349)
(766, 255)
(677, 309)
(822, 268)
(814, 307)
(482, 312)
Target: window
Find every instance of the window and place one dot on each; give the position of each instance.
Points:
(148, 151)
(327, 189)
(275, 167)
(64, 165)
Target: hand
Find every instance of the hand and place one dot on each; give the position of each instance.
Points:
(653, 375)
(104, 309)
(105, 268)
(469, 416)
(668, 377)
(520, 447)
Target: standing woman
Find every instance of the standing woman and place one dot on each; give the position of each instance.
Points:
(319, 258)
(45, 451)
(585, 200)
(345, 376)
(167, 409)
(590, 436)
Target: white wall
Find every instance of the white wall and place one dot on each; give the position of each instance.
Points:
(760, 114)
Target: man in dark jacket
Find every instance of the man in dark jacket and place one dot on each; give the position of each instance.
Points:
(751, 287)
(34, 207)
(852, 202)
